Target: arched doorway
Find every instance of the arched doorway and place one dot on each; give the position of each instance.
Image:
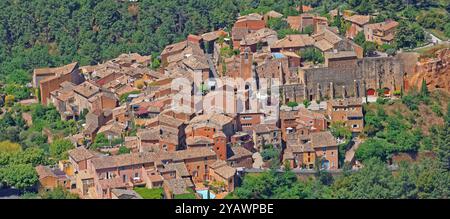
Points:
(386, 91)
(370, 92)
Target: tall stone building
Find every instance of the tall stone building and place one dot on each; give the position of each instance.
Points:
(346, 76)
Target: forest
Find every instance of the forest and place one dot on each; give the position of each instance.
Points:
(43, 33)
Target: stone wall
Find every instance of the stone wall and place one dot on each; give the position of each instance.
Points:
(335, 82)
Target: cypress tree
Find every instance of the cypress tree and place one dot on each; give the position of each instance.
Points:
(424, 89)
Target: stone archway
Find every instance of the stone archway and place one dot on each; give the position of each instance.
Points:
(371, 92)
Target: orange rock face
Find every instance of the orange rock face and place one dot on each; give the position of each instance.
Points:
(435, 71)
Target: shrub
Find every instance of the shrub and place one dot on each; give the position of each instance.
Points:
(292, 104)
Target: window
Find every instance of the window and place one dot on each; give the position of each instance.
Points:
(125, 178)
(136, 175)
(355, 126)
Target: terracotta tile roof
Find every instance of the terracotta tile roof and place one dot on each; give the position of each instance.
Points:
(44, 172)
(112, 183)
(239, 33)
(214, 35)
(389, 25)
(225, 171)
(217, 164)
(265, 128)
(355, 113)
(294, 40)
(214, 120)
(125, 194)
(323, 45)
(310, 114)
(174, 47)
(87, 89)
(57, 71)
(383, 26)
(123, 160)
(196, 62)
(238, 152)
(194, 37)
(252, 16)
(177, 186)
(261, 35)
(359, 19)
(194, 153)
(191, 49)
(180, 169)
(170, 121)
(159, 133)
(323, 139)
(155, 178)
(290, 54)
(114, 127)
(294, 22)
(80, 154)
(327, 34)
(196, 140)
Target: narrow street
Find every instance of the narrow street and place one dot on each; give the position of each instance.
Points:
(350, 154)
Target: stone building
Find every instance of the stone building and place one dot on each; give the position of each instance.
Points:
(349, 111)
(346, 77)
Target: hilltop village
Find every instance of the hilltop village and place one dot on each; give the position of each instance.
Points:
(136, 136)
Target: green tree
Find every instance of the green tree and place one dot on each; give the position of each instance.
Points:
(423, 180)
(424, 89)
(9, 147)
(32, 155)
(409, 35)
(306, 103)
(360, 38)
(374, 181)
(21, 176)
(292, 104)
(59, 148)
(369, 48)
(442, 141)
(124, 150)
